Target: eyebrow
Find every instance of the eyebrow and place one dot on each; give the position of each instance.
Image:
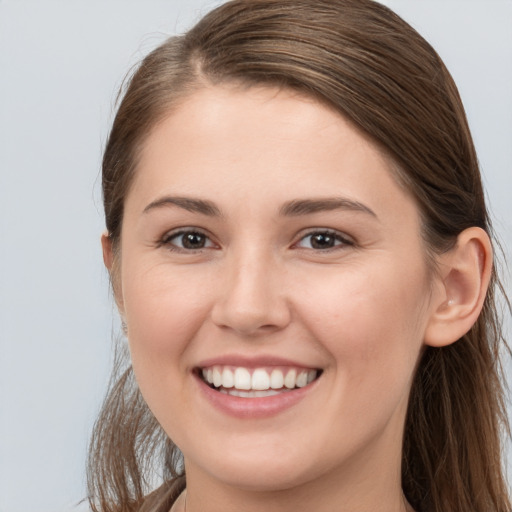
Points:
(293, 208)
(309, 206)
(187, 203)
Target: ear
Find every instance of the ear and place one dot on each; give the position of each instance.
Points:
(464, 274)
(110, 262)
(108, 255)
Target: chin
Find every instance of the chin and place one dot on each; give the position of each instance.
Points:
(267, 465)
(264, 475)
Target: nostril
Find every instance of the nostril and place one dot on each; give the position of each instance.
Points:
(250, 323)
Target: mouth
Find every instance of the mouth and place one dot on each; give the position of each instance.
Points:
(262, 382)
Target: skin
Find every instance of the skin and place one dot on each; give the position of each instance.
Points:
(361, 311)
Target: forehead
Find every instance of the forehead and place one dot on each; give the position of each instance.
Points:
(261, 143)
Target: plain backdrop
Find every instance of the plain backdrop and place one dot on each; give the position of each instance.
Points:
(61, 63)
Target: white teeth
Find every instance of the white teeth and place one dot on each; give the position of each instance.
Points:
(260, 380)
(250, 394)
(242, 378)
(302, 379)
(289, 380)
(266, 392)
(217, 377)
(228, 379)
(276, 379)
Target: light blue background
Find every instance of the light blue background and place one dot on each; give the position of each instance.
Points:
(61, 63)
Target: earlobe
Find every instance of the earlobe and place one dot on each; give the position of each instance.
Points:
(465, 272)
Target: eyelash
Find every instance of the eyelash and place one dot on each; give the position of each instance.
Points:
(168, 238)
(338, 239)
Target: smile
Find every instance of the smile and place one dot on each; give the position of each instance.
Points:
(256, 382)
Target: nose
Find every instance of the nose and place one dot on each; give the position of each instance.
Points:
(251, 299)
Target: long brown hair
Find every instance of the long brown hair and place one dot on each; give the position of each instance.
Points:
(361, 59)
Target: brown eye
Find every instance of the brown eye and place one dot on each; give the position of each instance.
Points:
(321, 240)
(188, 240)
(193, 240)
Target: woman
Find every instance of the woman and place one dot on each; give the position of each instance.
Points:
(300, 252)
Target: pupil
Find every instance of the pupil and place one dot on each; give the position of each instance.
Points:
(193, 241)
(322, 241)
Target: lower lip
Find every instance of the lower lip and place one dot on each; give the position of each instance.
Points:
(256, 407)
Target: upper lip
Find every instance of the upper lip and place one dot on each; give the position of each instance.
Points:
(252, 361)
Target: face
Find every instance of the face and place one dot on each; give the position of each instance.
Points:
(274, 286)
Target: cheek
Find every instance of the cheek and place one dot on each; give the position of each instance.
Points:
(371, 320)
(163, 311)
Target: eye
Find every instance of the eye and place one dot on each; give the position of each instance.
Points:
(187, 240)
(322, 240)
